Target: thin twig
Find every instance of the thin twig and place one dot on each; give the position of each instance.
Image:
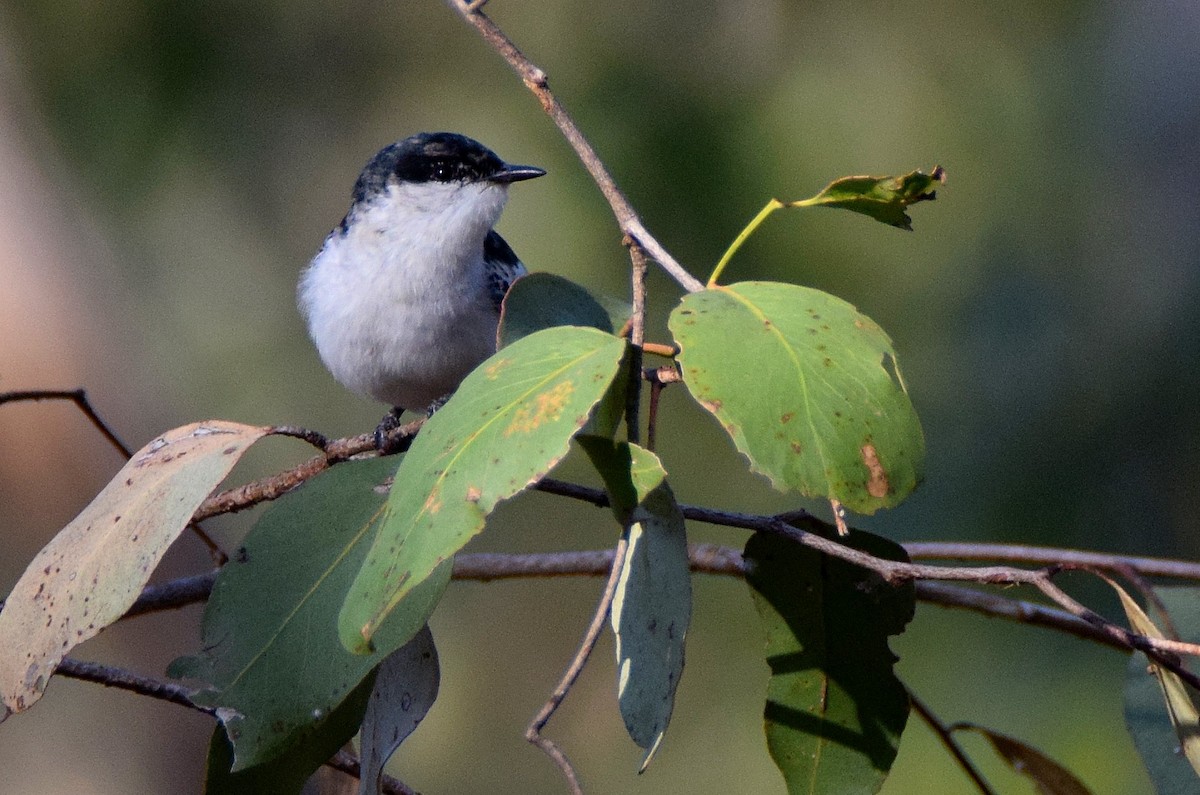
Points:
(637, 338)
(173, 595)
(996, 606)
(1153, 600)
(892, 571)
(658, 377)
(351, 765)
(122, 679)
(111, 676)
(275, 486)
(80, 399)
(712, 559)
(951, 744)
(1053, 556)
(533, 733)
(535, 80)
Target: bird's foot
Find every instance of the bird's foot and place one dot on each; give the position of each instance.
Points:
(384, 441)
(437, 404)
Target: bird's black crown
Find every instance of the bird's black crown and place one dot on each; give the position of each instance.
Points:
(428, 157)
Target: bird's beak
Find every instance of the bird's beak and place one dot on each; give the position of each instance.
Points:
(516, 174)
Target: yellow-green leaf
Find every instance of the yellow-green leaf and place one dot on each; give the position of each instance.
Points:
(506, 426)
(807, 387)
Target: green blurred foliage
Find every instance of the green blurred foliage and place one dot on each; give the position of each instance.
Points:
(1045, 313)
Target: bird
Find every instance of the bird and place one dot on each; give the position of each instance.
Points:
(403, 298)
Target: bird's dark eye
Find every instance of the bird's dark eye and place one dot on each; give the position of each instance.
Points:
(442, 171)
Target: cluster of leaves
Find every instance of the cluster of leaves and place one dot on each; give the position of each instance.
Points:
(808, 389)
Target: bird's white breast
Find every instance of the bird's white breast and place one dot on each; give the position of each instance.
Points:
(398, 303)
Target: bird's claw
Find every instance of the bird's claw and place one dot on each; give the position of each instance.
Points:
(384, 442)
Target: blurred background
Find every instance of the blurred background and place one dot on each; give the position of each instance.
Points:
(167, 169)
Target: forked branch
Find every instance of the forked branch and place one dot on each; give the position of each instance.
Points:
(536, 81)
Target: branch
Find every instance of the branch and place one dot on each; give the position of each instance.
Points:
(533, 733)
(535, 80)
(351, 765)
(127, 680)
(111, 676)
(944, 734)
(79, 398)
(892, 571)
(637, 338)
(1051, 556)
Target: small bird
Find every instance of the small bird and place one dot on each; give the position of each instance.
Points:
(403, 298)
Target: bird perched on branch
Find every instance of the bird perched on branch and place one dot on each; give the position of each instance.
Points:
(403, 298)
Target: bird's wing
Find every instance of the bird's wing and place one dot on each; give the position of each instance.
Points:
(503, 267)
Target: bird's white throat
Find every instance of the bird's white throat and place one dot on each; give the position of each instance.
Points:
(397, 299)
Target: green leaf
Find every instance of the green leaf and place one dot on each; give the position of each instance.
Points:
(808, 388)
(1160, 709)
(506, 426)
(630, 473)
(883, 198)
(543, 300)
(272, 660)
(285, 774)
(1047, 776)
(835, 709)
(406, 686)
(94, 569)
(652, 605)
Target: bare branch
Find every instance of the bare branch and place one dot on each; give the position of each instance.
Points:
(946, 736)
(535, 80)
(534, 731)
(637, 338)
(173, 595)
(1052, 556)
(996, 606)
(351, 765)
(110, 676)
(79, 398)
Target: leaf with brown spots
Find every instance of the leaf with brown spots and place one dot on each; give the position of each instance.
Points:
(813, 397)
(506, 426)
(94, 569)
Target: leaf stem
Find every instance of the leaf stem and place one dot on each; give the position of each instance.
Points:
(771, 207)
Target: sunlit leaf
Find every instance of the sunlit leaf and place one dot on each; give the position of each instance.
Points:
(807, 387)
(882, 198)
(1046, 775)
(94, 569)
(406, 686)
(506, 426)
(835, 709)
(272, 663)
(652, 605)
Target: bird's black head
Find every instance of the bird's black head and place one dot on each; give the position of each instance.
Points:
(437, 157)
